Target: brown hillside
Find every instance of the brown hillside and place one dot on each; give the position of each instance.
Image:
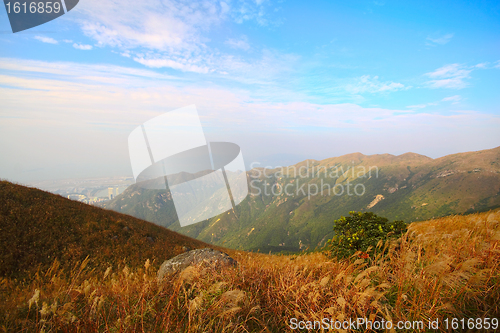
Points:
(441, 269)
(37, 227)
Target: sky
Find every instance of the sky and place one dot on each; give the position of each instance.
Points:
(285, 80)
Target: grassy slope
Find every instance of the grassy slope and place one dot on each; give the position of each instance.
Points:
(425, 189)
(443, 268)
(37, 227)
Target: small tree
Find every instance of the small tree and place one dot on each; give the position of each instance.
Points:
(359, 231)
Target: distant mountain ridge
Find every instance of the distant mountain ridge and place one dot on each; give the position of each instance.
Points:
(410, 187)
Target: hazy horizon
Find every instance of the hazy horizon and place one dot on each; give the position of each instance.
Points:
(271, 161)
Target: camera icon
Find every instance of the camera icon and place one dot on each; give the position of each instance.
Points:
(170, 152)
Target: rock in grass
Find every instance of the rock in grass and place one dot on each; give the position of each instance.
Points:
(194, 257)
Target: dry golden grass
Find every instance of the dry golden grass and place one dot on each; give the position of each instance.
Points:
(37, 227)
(442, 268)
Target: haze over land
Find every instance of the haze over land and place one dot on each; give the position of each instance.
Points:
(288, 210)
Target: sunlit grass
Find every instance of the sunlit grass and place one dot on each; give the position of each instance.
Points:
(442, 268)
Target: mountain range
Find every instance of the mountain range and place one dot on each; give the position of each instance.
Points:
(293, 208)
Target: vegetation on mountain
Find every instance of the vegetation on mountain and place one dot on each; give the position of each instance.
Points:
(407, 187)
(362, 232)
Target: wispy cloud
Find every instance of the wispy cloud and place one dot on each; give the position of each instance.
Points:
(48, 40)
(251, 10)
(368, 84)
(169, 26)
(421, 106)
(454, 99)
(497, 64)
(483, 65)
(84, 47)
(265, 68)
(76, 70)
(125, 54)
(241, 43)
(450, 76)
(84, 87)
(417, 106)
(186, 65)
(168, 33)
(439, 40)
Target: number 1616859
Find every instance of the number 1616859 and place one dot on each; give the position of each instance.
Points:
(33, 7)
(471, 323)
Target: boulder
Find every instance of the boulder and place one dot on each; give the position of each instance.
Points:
(208, 256)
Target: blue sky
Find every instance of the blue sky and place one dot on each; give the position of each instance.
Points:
(286, 80)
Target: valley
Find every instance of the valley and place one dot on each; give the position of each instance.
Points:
(292, 208)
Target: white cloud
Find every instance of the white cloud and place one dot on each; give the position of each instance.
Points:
(454, 99)
(241, 43)
(421, 106)
(418, 106)
(250, 10)
(440, 40)
(76, 70)
(450, 76)
(482, 65)
(497, 64)
(372, 85)
(268, 67)
(166, 33)
(82, 47)
(48, 40)
(167, 26)
(180, 64)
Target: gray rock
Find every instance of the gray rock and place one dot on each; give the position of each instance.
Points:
(194, 257)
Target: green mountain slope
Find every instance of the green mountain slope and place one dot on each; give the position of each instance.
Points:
(287, 211)
(37, 227)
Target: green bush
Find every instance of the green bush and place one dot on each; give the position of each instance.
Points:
(359, 231)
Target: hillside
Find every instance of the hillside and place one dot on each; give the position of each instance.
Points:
(439, 270)
(410, 187)
(37, 227)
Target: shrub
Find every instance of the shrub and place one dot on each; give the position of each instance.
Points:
(359, 231)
